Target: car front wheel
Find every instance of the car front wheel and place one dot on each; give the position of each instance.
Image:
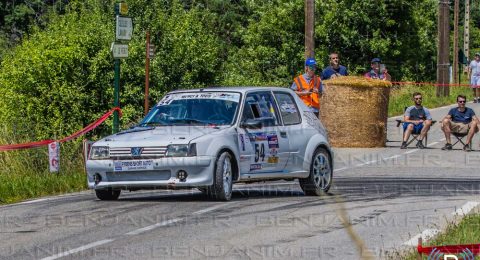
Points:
(321, 173)
(107, 194)
(222, 178)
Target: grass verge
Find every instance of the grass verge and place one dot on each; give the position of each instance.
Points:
(24, 174)
(465, 232)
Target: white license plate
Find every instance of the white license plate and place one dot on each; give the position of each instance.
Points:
(132, 165)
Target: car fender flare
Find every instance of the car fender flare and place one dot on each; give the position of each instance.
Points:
(316, 141)
(218, 147)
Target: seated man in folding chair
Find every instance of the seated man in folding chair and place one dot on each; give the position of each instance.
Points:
(461, 121)
(417, 121)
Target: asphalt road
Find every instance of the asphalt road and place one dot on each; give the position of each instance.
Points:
(391, 196)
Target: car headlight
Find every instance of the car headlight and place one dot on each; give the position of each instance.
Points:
(100, 152)
(181, 150)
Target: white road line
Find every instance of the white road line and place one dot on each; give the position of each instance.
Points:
(131, 233)
(78, 249)
(32, 201)
(393, 157)
(154, 226)
(425, 235)
(387, 158)
(203, 211)
(411, 151)
(465, 209)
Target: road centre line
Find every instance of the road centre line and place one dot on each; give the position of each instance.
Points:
(466, 208)
(79, 249)
(131, 233)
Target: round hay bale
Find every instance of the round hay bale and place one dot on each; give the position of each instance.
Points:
(354, 111)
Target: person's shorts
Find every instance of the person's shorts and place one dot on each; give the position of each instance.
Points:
(458, 127)
(416, 128)
(475, 82)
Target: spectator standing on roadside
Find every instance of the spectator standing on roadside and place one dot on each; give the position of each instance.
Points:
(474, 77)
(335, 69)
(378, 70)
(308, 86)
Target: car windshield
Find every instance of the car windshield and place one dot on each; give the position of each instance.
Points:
(196, 108)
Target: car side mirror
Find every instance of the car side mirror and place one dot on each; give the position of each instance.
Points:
(252, 124)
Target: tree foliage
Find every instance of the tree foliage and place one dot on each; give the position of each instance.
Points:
(57, 70)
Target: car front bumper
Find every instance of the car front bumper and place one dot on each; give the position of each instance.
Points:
(163, 175)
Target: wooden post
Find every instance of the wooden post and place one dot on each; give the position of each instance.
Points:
(443, 54)
(455, 42)
(466, 33)
(309, 29)
(147, 72)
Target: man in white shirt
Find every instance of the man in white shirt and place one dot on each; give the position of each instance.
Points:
(474, 77)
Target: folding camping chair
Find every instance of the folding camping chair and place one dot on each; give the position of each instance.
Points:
(460, 137)
(414, 136)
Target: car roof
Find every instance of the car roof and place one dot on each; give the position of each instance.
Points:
(234, 89)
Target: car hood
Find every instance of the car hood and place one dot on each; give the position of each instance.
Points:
(158, 136)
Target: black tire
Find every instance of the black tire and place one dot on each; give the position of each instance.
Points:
(321, 174)
(108, 194)
(222, 178)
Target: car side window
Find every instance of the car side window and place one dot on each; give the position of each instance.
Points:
(288, 109)
(260, 106)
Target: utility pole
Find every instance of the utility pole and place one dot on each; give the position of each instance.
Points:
(466, 32)
(443, 53)
(455, 41)
(309, 29)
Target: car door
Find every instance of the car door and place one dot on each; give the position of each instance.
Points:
(262, 149)
(292, 129)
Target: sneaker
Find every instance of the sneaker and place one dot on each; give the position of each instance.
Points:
(447, 147)
(467, 148)
(404, 145)
(420, 145)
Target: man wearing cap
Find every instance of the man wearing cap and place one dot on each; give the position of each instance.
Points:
(308, 86)
(377, 71)
(474, 77)
(335, 69)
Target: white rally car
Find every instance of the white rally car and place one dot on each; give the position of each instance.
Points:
(211, 138)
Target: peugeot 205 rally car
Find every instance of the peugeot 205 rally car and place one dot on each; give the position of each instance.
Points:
(212, 138)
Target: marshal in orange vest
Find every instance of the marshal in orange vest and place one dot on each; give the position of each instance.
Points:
(312, 99)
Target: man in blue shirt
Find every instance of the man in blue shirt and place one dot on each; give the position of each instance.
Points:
(335, 69)
(417, 120)
(460, 120)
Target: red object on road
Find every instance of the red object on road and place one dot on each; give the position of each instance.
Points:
(83, 131)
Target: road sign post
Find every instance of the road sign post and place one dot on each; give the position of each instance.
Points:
(123, 32)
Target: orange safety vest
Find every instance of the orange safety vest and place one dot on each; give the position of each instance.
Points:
(313, 99)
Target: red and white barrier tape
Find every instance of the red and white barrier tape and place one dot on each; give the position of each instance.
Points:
(429, 84)
(83, 131)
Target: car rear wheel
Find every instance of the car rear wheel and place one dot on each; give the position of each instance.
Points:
(222, 178)
(321, 173)
(107, 194)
